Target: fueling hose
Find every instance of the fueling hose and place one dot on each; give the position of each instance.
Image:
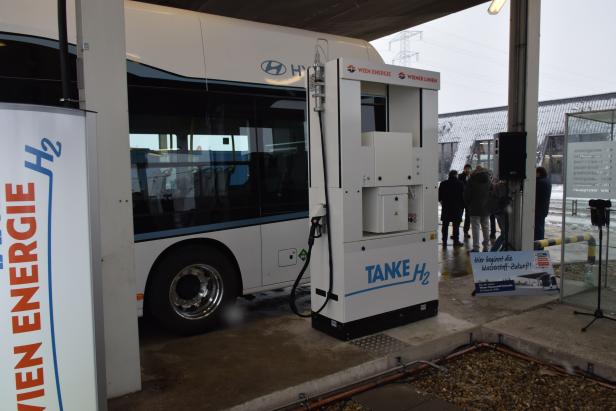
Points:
(316, 232)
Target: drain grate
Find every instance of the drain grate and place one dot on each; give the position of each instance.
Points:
(379, 344)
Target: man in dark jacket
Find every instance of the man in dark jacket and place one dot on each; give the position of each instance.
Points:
(477, 201)
(542, 202)
(466, 173)
(450, 195)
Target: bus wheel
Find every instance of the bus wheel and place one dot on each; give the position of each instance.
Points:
(191, 288)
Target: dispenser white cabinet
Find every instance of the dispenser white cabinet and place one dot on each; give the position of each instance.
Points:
(382, 186)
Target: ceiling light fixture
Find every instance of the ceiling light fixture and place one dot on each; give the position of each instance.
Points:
(496, 6)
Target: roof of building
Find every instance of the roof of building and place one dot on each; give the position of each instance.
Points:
(466, 127)
(365, 19)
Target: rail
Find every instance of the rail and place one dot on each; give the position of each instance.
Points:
(592, 244)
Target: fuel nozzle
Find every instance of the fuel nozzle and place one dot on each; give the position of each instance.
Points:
(315, 230)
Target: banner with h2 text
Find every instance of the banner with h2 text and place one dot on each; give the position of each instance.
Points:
(513, 273)
(46, 330)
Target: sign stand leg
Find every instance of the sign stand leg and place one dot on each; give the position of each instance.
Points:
(598, 314)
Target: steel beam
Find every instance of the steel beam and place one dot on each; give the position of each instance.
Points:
(101, 49)
(523, 108)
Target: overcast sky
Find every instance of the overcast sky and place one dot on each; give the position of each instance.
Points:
(470, 50)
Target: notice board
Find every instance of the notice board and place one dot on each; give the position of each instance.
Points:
(590, 170)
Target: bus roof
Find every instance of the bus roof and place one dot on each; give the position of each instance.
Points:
(199, 45)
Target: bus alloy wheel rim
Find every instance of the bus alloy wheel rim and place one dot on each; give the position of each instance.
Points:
(205, 285)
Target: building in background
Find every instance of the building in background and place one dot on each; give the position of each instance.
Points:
(467, 136)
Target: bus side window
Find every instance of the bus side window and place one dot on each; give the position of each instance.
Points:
(226, 154)
(285, 166)
(29, 70)
(191, 155)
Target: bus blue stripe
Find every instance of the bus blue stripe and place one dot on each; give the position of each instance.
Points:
(176, 232)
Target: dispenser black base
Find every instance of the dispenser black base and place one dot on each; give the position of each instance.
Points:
(376, 323)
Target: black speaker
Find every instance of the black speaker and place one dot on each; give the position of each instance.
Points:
(510, 155)
(600, 212)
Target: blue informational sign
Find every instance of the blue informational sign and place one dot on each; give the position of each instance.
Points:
(513, 273)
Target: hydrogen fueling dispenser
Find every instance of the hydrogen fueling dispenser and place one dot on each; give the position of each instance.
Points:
(373, 198)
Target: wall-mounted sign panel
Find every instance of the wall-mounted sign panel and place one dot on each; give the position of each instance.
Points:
(590, 171)
(47, 344)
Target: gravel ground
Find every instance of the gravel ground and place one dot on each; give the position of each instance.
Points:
(348, 405)
(490, 380)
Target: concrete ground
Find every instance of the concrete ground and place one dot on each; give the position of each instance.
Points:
(272, 356)
(401, 397)
(552, 332)
(271, 349)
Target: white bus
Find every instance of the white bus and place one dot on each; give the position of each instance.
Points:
(218, 145)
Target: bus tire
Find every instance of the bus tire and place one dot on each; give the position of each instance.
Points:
(191, 288)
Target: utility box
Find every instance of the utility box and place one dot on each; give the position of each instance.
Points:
(392, 156)
(386, 209)
(382, 198)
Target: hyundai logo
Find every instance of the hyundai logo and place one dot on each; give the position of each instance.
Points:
(273, 67)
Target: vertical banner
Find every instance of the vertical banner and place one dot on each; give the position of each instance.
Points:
(513, 273)
(47, 340)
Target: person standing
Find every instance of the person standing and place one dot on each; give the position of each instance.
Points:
(464, 179)
(543, 192)
(450, 195)
(492, 227)
(477, 200)
(500, 201)
(492, 216)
